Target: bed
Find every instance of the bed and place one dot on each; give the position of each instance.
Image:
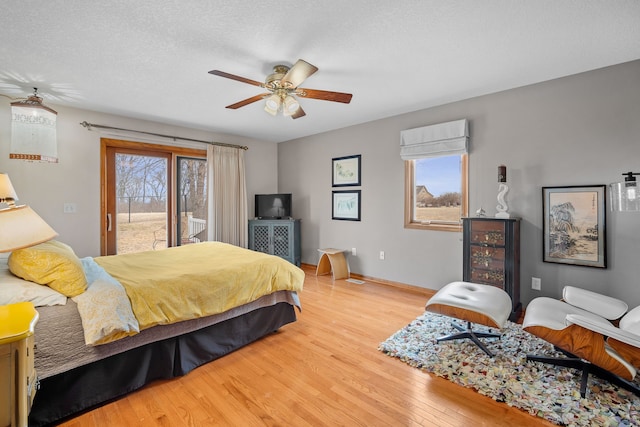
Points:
(80, 368)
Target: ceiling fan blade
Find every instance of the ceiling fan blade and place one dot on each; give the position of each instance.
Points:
(325, 95)
(247, 101)
(297, 74)
(234, 77)
(299, 113)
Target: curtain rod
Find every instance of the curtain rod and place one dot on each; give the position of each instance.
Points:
(222, 144)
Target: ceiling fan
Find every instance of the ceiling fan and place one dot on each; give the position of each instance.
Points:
(283, 87)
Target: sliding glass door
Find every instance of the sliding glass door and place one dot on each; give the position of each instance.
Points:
(138, 194)
(143, 197)
(192, 200)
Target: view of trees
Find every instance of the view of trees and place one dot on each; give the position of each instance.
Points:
(193, 186)
(142, 184)
(425, 199)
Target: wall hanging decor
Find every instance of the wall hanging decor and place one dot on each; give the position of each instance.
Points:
(346, 171)
(345, 205)
(575, 225)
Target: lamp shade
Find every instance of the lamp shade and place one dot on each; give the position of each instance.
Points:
(21, 227)
(624, 198)
(625, 195)
(7, 193)
(290, 106)
(33, 131)
(272, 104)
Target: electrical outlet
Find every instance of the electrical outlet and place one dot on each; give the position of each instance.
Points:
(353, 251)
(536, 283)
(381, 254)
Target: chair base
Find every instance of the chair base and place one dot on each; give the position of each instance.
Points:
(468, 333)
(572, 361)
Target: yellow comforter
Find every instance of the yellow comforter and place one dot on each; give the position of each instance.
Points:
(197, 280)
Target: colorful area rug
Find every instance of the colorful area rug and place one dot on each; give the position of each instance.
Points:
(549, 392)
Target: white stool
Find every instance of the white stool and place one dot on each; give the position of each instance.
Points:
(473, 303)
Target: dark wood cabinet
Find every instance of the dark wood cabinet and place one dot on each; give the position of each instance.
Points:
(492, 255)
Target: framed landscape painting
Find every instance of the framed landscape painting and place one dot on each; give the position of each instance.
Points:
(345, 205)
(346, 171)
(574, 230)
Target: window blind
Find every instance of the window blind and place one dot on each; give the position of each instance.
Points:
(442, 139)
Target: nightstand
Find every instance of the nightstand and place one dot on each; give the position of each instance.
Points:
(18, 381)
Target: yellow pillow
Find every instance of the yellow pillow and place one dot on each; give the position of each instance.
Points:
(50, 263)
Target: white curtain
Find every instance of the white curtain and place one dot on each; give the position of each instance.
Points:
(442, 139)
(227, 201)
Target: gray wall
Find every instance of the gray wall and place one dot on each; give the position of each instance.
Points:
(583, 129)
(76, 178)
(578, 130)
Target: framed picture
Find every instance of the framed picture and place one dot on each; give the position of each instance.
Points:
(346, 171)
(574, 230)
(346, 205)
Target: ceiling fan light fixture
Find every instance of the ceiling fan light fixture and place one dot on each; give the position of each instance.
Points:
(283, 89)
(273, 80)
(290, 106)
(272, 105)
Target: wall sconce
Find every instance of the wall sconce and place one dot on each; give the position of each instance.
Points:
(625, 195)
(20, 226)
(33, 130)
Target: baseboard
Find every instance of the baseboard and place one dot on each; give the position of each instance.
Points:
(411, 288)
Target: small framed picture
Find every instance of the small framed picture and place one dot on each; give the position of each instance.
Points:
(346, 205)
(346, 171)
(574, 230)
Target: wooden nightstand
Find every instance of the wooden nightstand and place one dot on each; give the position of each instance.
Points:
(18, 381)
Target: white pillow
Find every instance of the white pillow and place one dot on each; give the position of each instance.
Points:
(13, 290)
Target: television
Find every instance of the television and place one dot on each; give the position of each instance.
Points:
(273, 206)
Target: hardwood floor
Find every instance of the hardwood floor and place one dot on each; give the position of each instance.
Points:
(324, 369)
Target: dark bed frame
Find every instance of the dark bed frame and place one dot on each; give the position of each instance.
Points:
(69, 393)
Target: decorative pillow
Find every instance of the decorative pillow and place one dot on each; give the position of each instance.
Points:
(50, 263)
(14, 289)
(106, 313)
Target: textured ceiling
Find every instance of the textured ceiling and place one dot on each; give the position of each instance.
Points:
(149, 59)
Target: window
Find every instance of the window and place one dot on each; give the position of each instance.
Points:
(435, 190)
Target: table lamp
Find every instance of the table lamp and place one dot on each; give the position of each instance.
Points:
(20, 226)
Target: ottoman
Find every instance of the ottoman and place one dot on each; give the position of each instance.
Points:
(472, 303)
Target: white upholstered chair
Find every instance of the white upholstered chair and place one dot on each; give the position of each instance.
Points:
(596, 332)
(472, 303)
